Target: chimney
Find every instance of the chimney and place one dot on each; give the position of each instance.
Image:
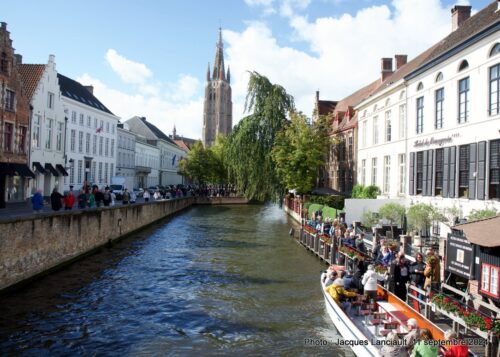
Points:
(4, 25)
(386, 64)
(317, 93)
(19, 59)
(90, 89)
(459, 14)
(400, 60)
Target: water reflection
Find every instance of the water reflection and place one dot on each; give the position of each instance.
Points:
(213, 281)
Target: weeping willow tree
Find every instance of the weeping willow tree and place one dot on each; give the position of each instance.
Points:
(248, 149)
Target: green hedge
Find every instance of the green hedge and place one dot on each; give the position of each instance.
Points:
(313, 208)
(331, 201)
(329, 212)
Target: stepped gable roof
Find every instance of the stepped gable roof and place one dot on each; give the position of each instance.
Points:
(326, 107)
(31, 75)
(76, 91)
(483, 232)
(157, 132)
(481, 21)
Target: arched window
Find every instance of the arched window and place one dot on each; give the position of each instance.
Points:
(463, 65)
(439, 77)
(420, 86)
(495, 50)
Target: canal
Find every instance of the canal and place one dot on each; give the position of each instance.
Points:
(210, 281)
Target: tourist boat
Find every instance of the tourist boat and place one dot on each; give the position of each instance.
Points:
(364, 329)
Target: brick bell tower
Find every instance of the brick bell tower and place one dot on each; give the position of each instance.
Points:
(218, 107)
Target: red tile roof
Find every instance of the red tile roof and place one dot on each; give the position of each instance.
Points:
(182, 145)
(30, 75)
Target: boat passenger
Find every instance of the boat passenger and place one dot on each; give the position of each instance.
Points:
(401, 277)
(349, 281)
(340, 279)
(417, 268)
(359, 244)
(413, 334)
(340, 295)
(432, 273)
(331, 278)
(454, 347)
(393, 347)
(389, 256)
(369, 282)
(424, 347)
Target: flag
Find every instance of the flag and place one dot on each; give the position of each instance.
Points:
(98, 130)
(173, 160)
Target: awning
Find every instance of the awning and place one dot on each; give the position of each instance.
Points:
(21, 170)
(51, 169)
(62, 170)
(39, 168)
(5, 169)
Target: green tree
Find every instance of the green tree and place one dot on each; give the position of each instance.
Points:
(360, 191)
(482, 214)
(420, 216)
(392, 212)
(298, 153)
(197, 165)
(369, 219)
(248, 151)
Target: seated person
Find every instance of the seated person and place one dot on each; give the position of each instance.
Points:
(331, 276)
(424, 347)
(349, 282)
(453, 347)
(340, 295)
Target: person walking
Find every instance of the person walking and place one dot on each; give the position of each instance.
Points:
(146, 195)
(106, 197)
(37, 201)
(56, 199)
(126, 197)
(82, 199)
(69, 199)
(99, 197)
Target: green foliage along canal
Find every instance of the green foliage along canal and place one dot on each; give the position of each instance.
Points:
(210, 281)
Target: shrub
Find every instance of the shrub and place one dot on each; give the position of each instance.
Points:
(360, 191)
(369, 219)
(329, 212)
(357, 191)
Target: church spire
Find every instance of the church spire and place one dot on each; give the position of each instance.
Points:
(228, 76)
(218, 72)
(208, 72)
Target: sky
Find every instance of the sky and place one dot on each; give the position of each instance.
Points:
(149, 58)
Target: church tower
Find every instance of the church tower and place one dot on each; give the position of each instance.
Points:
(218, 107)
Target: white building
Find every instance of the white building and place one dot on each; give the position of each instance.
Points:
(430, 133)
(170, 153)
(91, 136)
(147, 163)
(454, 116)
(48, 126)
(125, 160)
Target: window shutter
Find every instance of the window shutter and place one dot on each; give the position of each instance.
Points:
(446, 171)
(424, 174)
(430, 163)
(472, 171)
(433, 174)
(481, 169)
(452, 191)
(411, 186)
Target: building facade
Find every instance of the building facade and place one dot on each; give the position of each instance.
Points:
(147, 163)
(14, 125)
(48, 126)
(218, 105)
(126, 150)
(91, 136)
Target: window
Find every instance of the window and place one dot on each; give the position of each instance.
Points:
(494, 177)
(87, 143)
(23, 131)
(420, 171)
(100, 172)
(388, 126)
(375, 130)
(48, 138)
(402, 173)
(463, 65)
(82, 118)
(495, 89)
(89, 121)
(4, 63)
(94, 145)
(59, 136)
(95, 123)
(73, 117)
(420, 115)
(402, 120)
(374, 171)
(80, 171)
(106, 165)
(107, 127)
(8, 136)
(71, 172)
(439, 77)
(439, 97)
(93, 171)
(387, 174)
(495, 50)
(106, 147)
(438, 174)
(112, 147)
(463, 100)
(50, 100)
(351, 148)
(420, 86)
(463, 170)
(100, 145)
(363, 172)
(73, 140)
(10, 100)
(111, 171)
(35, 142)
(489, 279)
(363, 134)
(80, 141)
(112, 132)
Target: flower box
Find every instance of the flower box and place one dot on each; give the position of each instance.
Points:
(483, 334)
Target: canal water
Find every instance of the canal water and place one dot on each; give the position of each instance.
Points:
(220, 280)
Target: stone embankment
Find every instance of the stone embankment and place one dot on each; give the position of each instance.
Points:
(36, 244)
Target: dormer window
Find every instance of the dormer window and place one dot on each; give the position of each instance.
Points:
(420, 86)
(439, 77)
(495, 50)
(463, 65)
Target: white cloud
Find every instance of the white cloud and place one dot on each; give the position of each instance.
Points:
(129, 71)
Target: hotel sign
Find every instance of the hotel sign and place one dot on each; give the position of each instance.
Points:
(434, 141)
(459, 256)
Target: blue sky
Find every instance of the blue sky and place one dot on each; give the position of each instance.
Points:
(149, 58)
